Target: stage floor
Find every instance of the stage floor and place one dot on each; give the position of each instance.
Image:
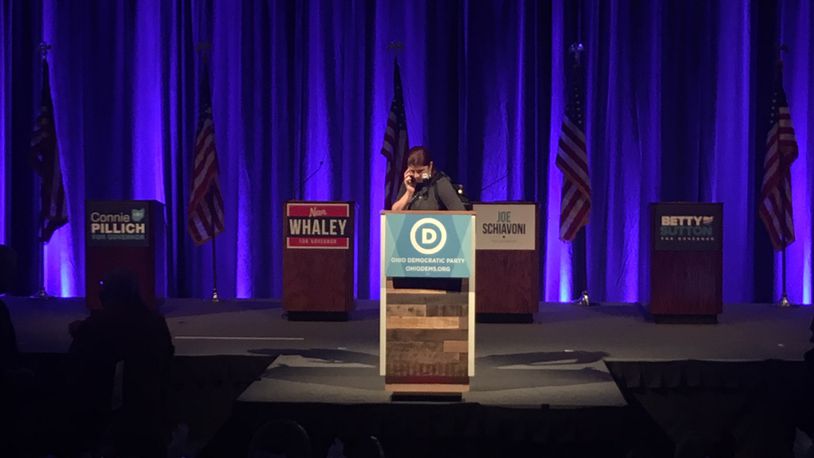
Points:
(558, 360)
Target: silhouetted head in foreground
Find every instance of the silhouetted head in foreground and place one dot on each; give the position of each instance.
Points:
(120, 292)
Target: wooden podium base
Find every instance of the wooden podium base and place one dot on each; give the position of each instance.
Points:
(505, 318)
(426, 397)
(426, 392)
(426, 388)
(685, 319)
(427, 332)
(427, 323)
(317, 316)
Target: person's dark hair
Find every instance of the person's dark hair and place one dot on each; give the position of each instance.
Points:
(418, 156)
(120, 292)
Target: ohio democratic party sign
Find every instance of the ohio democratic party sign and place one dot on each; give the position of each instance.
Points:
(434, 245)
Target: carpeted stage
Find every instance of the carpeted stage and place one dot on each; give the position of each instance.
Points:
(573, 381)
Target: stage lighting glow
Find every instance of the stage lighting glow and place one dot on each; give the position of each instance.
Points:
(135, 114)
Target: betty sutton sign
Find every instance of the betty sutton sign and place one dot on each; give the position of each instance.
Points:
(687, 226)
(428, 245)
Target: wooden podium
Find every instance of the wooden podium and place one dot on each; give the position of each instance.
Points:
(125, 235)
(508, 261)
(318, 260)
(686, 264)
(427, 319)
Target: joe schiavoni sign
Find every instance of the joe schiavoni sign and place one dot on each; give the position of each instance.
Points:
(124, 223)
(317, 226)
(505, 226)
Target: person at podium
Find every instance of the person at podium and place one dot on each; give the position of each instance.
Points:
(425, 188)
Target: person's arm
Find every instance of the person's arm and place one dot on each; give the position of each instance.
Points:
(448, 195)
(405, 194)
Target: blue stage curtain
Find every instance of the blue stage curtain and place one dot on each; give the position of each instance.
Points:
(676, 108)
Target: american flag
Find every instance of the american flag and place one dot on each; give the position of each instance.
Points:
(395, 142)
(45, 156)
(205, 211)
(781, 151)
(572, 158)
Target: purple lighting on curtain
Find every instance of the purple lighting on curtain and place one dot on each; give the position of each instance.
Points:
(4, 120)
(234, 247)
(148, 170)
(299, 84)
(796, 19)
(59, 275)
(557, 286)
(380, 95)
(730, 175)
(147, 137)
(317, 148)
(516, 120)
(504, 92)
(59, 272)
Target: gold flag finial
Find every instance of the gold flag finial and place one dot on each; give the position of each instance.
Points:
(203, 48)
(44, 48)
(396, 47)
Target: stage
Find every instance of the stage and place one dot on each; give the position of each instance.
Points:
(577, 369)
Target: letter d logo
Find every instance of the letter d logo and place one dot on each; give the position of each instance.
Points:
(428, 236)
(432, 231)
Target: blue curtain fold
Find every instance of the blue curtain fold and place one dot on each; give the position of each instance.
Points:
(675, 108)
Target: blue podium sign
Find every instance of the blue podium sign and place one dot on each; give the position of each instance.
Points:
(429, 245)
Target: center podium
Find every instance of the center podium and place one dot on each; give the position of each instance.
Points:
(427, 316)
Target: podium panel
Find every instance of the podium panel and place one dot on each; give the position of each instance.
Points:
(427, 319)
(318, 260)
(128, 235)
(508, 261)
(686, 267)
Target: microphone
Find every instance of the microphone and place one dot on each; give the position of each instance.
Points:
(310, 175)
(494, 182)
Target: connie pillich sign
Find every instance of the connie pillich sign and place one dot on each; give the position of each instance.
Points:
(123, 223)
(687, 226)
(428, 245)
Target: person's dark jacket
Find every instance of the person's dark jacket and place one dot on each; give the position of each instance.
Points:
(8, 340)
(437, 193)
(140, 339)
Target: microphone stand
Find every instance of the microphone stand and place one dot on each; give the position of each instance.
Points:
(310, 175)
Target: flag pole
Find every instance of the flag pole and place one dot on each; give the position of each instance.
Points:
(41, 292)
(215, 297)
(579, 275)
(203, 48)
(392, 172)
(584, 298)
(784, 298)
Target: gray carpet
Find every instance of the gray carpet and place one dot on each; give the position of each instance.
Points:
(557, 360)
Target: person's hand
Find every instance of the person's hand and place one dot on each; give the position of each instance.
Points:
(409, 181)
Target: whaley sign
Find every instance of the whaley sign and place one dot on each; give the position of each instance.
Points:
(122, 223)
(687, 226)
(429, 245)
(317, 226)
